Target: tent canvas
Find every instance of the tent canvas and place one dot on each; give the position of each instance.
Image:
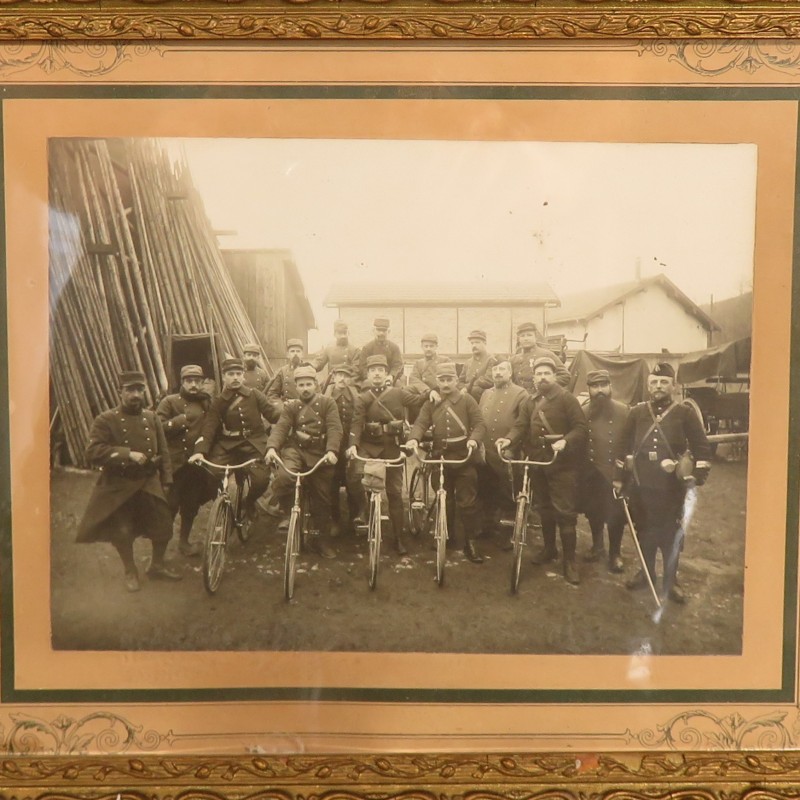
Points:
(725, 361)
(628, 376)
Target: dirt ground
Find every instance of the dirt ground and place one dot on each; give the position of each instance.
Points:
(334, 610)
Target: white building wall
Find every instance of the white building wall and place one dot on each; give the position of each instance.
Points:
(419, 320)
(360, 319)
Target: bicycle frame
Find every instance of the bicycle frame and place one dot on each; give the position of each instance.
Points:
(227, 470)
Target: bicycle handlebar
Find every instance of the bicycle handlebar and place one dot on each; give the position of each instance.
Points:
(390, 462)
(445, 460)
(319, 463)
(526, 462)
(226, 466)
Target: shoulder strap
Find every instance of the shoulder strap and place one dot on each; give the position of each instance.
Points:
(451, 411)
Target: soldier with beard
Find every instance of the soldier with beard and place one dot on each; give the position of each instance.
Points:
(605, 418)
(234, 431)
(339, 353)
(551, 421)
(309, 429)
(522, 362)
(255, 376)
(282, 386)
(659, 442)
(500, 407)
(128, 501)
(478, 376)
(182, 415)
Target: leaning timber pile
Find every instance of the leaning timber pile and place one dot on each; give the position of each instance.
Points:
(133, 260)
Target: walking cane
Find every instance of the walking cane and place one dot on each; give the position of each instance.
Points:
(620, 496)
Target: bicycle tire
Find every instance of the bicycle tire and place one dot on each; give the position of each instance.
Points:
(417, 511)
(219, 524)
(374, 539)
(518, 541)
(440, 533)
(242, 522)
(292, 551)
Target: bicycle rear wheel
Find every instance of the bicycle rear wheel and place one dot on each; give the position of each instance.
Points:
(374, 538)
(518, 541)
(243, 522)
(440, 534)
(417, 509)
(292, 551)
(219, 525)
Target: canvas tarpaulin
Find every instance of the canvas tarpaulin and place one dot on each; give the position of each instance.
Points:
(628, 376)
(725, 361)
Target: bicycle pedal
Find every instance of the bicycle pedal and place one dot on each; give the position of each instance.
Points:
(506, 523)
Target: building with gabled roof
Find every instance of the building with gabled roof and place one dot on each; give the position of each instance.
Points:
(451, 310)
(650, 315)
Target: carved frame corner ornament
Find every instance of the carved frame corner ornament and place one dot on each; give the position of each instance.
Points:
(375, 20)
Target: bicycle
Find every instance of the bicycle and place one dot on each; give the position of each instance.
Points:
(375, 520)
(523, 502)
(419, 496)
(227, 512)
(294, 534)
(440, 532)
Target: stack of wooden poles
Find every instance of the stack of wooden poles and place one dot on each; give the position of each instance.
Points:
(133, 259)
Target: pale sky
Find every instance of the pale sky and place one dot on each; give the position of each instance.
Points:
(577, 215)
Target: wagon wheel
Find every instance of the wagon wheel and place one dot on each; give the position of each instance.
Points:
(696, 408)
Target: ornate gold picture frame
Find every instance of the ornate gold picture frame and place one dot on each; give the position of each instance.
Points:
(100, 724)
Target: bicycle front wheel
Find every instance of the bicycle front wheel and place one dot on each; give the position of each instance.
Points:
(374, 538)
(219, 525)
(440, 534)
(242, 522)
(292, 551)
(518, 541)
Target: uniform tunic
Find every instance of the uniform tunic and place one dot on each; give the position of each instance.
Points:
(478, 374)
(282, 387)
(114, 435)
(335, 355)
(522, 367)
(344, 473)
(305, 431)
(256, 378)
(423, 374)
(386, 348)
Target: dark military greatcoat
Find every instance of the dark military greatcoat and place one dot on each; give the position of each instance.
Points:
(378, 420)
(478, 374)
(114, 435)
(522, 367)
(605, 424)
(386, 348)
(453, 423)
(282, 387)
(256, 378)
(312, 426)
(335, 355)
(423, 374)
(182, 417)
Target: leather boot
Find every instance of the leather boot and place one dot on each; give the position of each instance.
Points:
(397, 520)
(569, 541)
(571, 574)
(549, 552)
(471, 553)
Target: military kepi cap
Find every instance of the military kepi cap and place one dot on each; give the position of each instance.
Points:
(191, 371)
(340, 325)
(430, 337)
(526, 326)
(377, 361)
(251, 347)
(345, 368)
(294, 343)
(598, 376)
(131, 378)
(545, 361)
(446, 369)
(380, 322)
(306, 371)
(232, 363)
(663, 369)
(477, 335)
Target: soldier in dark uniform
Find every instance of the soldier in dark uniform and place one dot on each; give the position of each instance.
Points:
(500, 407)
(605, 418)
(182, 416)
(234, 431)
(339, 352)
(281, 388)
(656, 442)
(458, 428)
(342, 391)
(423, 374)
(309, 429)
(552, 412)
(255, 376)
(381, 346)
(129, 500)
(377, 432)
(478, 370)
(523, 361)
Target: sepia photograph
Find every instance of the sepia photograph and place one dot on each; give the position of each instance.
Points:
(399, 396)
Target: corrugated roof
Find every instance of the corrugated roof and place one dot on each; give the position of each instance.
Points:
(583, 306)
(415, 292)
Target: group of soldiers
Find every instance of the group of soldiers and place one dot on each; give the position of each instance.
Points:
(491, 406)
